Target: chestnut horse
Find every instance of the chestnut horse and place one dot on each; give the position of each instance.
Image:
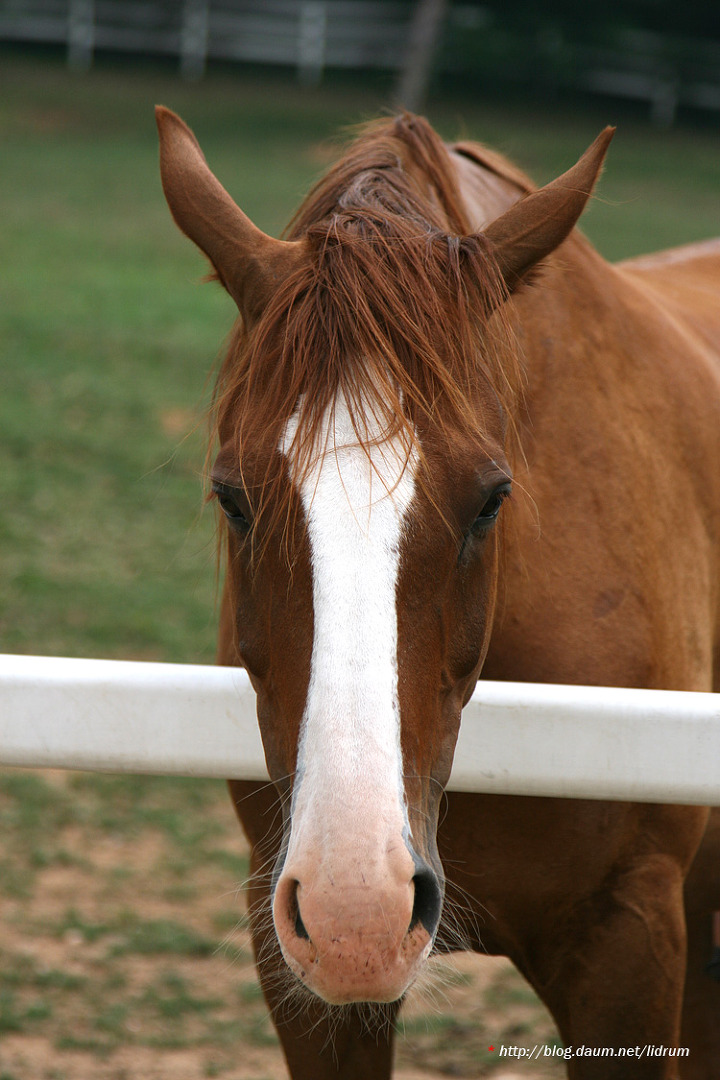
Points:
(433, 334)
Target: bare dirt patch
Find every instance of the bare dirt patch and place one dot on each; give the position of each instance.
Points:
(125, 955)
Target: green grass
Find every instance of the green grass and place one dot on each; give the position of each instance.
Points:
(108, 341)
(108, 338)
(127, 933)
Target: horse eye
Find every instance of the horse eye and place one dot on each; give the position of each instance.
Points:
(228, 504)
(491, 509)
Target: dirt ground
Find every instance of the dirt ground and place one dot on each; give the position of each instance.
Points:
(124, 953)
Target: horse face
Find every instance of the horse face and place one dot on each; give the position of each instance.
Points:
(363, 615)
(363, 648)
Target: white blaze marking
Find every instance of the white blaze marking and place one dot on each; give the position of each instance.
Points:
(355, 501)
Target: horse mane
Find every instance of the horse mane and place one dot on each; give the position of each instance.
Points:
(397, 305)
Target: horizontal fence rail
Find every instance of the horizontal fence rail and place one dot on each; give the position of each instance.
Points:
(515, 738)
(666, 70)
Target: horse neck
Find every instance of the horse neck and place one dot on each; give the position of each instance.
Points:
(569, 325)
(489, 184)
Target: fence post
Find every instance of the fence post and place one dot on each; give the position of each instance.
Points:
(81, 34)
(312, 35)
(425, 30)
(664, 104)
(194, 39)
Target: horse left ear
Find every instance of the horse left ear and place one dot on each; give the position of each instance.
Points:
(532, 228)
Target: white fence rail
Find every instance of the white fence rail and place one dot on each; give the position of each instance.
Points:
(307, 34)
(515, 738)
(310, 35)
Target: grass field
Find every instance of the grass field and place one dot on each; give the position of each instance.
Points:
(123, 953)
(108, 339)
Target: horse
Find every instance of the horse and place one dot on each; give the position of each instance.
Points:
(452, 442)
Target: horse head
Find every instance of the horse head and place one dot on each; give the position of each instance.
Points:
(362, 421)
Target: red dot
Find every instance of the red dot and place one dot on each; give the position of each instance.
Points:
(491, 1047)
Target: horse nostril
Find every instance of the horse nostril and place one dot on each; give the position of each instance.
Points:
(428, 901)
(300, 926)
(294, 911)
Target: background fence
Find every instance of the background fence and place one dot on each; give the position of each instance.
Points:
(478, 42)
(515, 738)
(306, 34)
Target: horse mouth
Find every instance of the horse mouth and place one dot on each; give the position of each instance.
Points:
(346, 976)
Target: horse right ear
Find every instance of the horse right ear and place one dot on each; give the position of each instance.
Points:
(531, 229)
(249, 263)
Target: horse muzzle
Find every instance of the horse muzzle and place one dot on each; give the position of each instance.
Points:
(359, 927)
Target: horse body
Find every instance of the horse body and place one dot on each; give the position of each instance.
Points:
(384, 589)
(626, 564)
(589, 597)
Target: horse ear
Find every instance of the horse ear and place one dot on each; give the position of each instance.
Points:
(248, 263)
(535, 226)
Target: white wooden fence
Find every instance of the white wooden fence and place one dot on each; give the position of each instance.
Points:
(310, 35)
(306, 34)
(515, 738)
